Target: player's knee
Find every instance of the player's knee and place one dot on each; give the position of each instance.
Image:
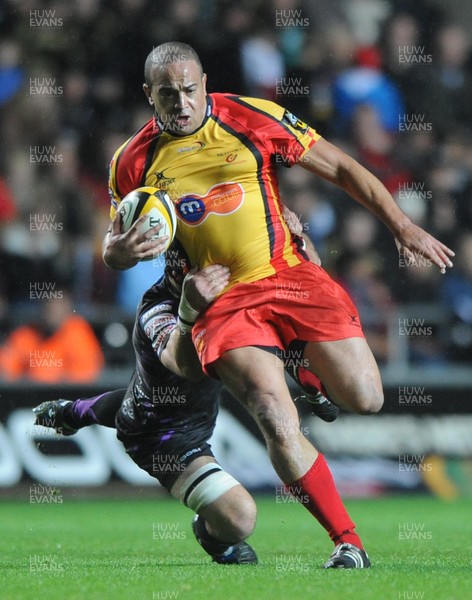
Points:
(248, 520)
(241, 519)
(368, 404)
(362, 394)
(232, 517)
(220, 499)
(274, 421)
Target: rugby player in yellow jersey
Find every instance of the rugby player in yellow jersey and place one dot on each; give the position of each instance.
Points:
(216, 155)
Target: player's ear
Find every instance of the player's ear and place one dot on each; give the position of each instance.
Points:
(204, 80)
(147, 91)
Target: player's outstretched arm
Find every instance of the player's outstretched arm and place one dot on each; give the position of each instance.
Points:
(331, 163)
(199, 290)
(124, 250)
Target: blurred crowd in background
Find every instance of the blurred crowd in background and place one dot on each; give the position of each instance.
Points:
(389, 81)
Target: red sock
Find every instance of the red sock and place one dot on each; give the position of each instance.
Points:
(317, 491)
(310, 382)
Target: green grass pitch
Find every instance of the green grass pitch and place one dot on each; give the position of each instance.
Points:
(144, 550)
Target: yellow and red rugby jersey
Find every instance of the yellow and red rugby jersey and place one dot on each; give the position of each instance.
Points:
(223, 181)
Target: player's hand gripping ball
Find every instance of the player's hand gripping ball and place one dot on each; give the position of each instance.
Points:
(158, 208)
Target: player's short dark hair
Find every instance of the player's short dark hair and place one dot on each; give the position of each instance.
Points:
(167, 53)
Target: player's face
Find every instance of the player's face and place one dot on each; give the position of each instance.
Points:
(178, 93)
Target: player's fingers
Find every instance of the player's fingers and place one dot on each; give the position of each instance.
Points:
(220, 280)
(217, 284)
(445, 253)
(152, 248)
(209, 269)
(292, 221)
(213, 272)
(135, 231)
(209, 282)
(155, 242)
(213, 283)
(137, 224)
(217, 280)
(218, 287)
(446, 249)
(438, 254)
(154, 230)
(441, 261)
(445, 261)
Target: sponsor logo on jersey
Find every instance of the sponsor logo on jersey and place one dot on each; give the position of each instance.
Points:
(294, 122)
(229, 152)
(195, 147)
(222, 199)
(157, 327)
(235, 156)
(161, 335)
(164, 307)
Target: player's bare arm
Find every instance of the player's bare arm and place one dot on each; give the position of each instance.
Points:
(124, 250)
(199, 290)
(328, 161)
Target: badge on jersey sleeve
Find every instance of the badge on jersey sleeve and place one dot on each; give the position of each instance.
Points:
(294, 122)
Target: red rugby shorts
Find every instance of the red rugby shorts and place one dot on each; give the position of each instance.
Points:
(298, 303)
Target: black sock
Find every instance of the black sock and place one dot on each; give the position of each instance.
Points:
(207, 541)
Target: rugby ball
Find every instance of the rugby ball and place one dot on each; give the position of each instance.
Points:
(158, 208)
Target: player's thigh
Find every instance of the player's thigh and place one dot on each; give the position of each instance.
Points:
(349, 372)
(256, 378)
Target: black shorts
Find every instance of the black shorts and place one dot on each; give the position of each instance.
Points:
(165, 443)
